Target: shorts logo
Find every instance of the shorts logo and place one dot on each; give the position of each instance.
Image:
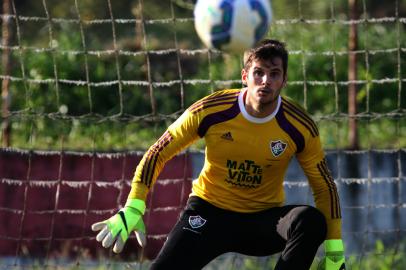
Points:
(278, 147)
(196, 221)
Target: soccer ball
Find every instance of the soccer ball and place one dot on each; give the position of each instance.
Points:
(232, 25)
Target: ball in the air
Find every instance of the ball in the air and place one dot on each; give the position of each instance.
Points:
(232, 25)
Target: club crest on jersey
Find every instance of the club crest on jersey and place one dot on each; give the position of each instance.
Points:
(196, 221)
(278, 147)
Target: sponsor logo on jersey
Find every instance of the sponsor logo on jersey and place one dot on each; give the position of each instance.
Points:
(244, 174)
(196, 222)
(277, 147)
(227, 136)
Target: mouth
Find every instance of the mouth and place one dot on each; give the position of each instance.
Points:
(264, 91)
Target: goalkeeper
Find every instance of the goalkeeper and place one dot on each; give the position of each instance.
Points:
(237, 202)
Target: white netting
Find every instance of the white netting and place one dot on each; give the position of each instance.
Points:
(85, 81)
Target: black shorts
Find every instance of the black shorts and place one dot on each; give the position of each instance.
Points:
(204, 232)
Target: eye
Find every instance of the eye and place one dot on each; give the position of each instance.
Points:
(258, 72)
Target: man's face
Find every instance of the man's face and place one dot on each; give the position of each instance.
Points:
(265, 80)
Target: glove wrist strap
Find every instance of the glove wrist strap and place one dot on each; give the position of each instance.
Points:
(137, 204)
(333, 245)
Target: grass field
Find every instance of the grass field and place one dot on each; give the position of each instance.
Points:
(380, 259)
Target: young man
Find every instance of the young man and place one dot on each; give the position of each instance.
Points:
(237, 203)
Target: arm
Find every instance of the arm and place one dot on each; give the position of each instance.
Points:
(116, 230)
(178, 136)
(324, 189)
(327, 201)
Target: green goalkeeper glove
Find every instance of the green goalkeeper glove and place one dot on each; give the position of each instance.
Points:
(118, 228)
(334, 255)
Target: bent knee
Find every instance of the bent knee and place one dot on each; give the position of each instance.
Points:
(312, 221)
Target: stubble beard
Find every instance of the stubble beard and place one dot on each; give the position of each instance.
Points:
(272, 102)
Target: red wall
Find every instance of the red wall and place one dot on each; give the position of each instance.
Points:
(48, 201)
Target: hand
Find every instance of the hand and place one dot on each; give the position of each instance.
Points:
(334, 255)
(118, 228)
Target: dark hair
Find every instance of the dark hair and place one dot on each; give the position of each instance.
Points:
(267, 49)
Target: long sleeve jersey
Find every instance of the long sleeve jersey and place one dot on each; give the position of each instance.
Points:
(246, 158)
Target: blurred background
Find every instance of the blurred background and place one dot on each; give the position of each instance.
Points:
(88, 86)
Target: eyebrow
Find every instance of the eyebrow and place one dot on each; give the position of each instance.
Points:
(272, 68)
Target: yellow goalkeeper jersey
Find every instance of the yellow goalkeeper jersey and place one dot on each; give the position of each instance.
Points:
(246, 158)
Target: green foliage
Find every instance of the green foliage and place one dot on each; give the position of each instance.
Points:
(76, 80)
(381, 259)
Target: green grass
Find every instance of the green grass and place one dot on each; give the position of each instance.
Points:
(382, 258)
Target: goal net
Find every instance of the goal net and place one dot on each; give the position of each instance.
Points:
(88, 86)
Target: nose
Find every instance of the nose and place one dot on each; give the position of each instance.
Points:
(266, 80)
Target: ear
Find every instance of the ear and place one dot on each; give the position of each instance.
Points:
(285, 79)
(244, 76)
